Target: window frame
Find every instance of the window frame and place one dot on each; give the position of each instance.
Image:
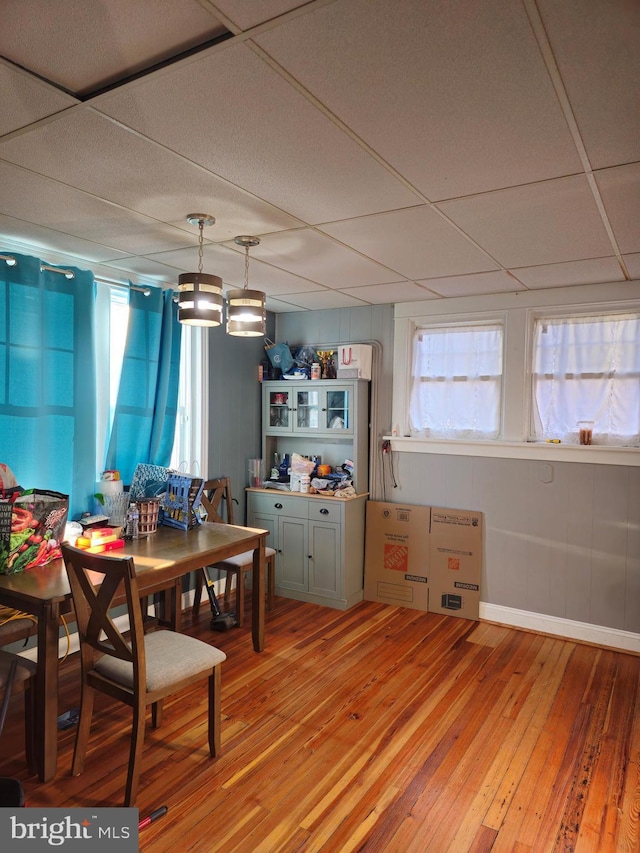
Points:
(517, 307)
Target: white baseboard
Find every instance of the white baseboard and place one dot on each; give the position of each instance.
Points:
(597, 635)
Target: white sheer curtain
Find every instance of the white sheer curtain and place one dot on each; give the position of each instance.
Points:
(456, 382)
(587, 368)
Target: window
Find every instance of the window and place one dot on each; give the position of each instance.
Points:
(587, 368)
(456, 381)
(188, 450)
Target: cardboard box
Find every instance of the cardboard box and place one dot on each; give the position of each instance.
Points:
(397, 554)
(354, 361)
(456, 554)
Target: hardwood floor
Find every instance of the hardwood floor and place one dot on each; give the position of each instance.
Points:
(376, 729)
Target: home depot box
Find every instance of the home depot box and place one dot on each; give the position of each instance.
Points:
(396, 569)
(354, 361)
(455, 562)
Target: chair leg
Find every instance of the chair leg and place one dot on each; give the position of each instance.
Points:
(198, 593)
(135, 755)
(215, 724)
(29, 739)
(157, 709)
(227, 586)
(84, 727)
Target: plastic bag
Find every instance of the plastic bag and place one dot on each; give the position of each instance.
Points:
(306, 356)
(280, 356)
(37, 520)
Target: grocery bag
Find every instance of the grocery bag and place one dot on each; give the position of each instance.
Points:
(31, 529)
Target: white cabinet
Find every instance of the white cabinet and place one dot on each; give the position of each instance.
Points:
(319, 544)
(327, 418)
(309, 408)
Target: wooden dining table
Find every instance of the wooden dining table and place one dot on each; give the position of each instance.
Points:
(161, 560)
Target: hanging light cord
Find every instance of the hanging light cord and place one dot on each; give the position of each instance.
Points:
(201, 227)
(246, 267)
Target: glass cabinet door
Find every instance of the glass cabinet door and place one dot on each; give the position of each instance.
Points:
(279, 410)
(337, 412)
(307, 415)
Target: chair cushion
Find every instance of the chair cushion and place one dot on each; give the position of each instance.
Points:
(171, 657)
(241, 561)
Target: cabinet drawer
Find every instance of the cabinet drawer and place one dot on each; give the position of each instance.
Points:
(325, 511)
(279, 504)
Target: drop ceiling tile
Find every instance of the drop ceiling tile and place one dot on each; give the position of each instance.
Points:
(539, 224)
(321, 299)
(280, 307)
(595, 44)
(24, 99)
(235, 116)
(593, 271)
(84, 46)
(479, 284)
(316, 257)
(51, 245)
(455, 96)
(387, 294)
(41, 201)
(633, 265)
(84, 150)
(144, 268)
(620, 190)
(415, 243)
(246, 15)
(228, 263)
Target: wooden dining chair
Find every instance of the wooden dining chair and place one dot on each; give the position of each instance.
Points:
(138, 669)
(16, 676)
(217, 503)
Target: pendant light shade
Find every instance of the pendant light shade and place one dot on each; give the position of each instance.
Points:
(200, 299)
(246, 309)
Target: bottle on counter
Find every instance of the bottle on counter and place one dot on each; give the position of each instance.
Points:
(131, 527)
(283, 469)
(275, 473)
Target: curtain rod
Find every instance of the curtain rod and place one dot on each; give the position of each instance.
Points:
(12, 262)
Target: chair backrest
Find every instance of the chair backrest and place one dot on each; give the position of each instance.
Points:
(215, 494)
(95, 580)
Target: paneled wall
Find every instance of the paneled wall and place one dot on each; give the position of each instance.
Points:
(561, 540)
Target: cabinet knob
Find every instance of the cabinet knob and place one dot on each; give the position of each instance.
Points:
(278, 506)
(324, 511)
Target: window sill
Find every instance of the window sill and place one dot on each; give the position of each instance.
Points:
(593, 454)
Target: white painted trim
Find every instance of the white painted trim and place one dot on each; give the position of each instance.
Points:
(598, 635)
(532, 450)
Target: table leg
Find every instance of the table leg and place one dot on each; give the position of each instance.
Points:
(257, 599)
(46, 694)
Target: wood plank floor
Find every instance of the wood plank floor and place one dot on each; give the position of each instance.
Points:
(376, 729)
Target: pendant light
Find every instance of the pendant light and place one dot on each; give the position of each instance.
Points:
(200, 300)
(246, 309)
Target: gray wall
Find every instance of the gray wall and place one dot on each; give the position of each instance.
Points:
(234, 409)
(569, 548)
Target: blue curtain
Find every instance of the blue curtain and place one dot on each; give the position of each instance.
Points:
(145, 416)
(47, 379)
